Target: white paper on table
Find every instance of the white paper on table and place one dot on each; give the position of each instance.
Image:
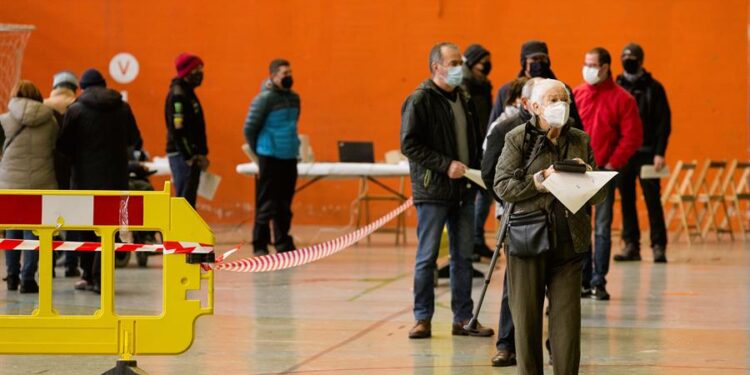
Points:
(649, 172)
(208, 185)
(575, 189)
(475, 176)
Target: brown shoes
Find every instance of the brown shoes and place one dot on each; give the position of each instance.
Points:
(504, 358)
(479, 331)
(421, 330)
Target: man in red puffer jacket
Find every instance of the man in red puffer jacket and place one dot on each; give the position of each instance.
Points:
(610, 116)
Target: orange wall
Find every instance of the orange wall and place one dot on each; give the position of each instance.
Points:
(355, 61)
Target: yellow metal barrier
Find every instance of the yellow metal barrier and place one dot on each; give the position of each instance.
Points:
(105, 332)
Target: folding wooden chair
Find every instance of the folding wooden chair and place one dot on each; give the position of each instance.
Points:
(737, 193)
(712, 191)
(681, 192)
(364, 199)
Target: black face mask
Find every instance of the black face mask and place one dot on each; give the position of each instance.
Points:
(287, 82)
(631, 66)
(539, 69)
(195, 78)
(487, 68)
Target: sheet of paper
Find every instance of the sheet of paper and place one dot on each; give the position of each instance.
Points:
(209, 183)
(575, 189)
(649, 172)
(475, 176)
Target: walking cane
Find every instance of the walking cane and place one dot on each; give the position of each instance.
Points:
(504, 223)
(507, 209)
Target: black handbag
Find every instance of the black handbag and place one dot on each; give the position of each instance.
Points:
(529, 232)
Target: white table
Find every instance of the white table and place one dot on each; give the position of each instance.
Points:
(364, 172)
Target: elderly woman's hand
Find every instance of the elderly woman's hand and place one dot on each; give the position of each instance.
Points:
(540, 176)
(588, 167)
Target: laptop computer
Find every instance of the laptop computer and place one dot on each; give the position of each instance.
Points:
(356, 152)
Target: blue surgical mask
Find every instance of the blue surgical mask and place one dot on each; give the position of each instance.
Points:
(455, 76)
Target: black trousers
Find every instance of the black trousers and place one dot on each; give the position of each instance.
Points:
(631, 232)
(274, 192)
(91, 261)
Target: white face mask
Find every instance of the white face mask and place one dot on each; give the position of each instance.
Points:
(455, 76)
(591, 75)
(556, 114)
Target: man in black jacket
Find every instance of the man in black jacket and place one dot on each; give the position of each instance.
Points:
(439, 135)
(187, 147)
(535, 62)
(95, 136)
(657, 125)
(477, 66)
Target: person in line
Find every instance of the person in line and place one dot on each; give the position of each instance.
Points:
(476, 69)
(28, 162)
(187, 146)
(97, 133)
(656, 118)
(558, 269)
(440, 137)
(271, 133)
(610, 117)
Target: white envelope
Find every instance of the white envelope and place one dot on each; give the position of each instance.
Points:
(649, 172)
(209, 183)
(475, 176)
(573, 190)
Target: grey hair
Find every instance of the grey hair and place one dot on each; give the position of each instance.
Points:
(436, 52)
(528, 87)
(541, 87)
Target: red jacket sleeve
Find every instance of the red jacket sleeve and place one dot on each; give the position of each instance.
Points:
(631, 133)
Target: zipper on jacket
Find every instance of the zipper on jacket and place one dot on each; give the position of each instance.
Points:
(427, 178)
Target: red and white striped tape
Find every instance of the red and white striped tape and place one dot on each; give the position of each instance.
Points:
(280, 261)
(168, 247)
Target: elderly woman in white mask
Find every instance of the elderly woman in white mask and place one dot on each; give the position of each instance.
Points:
(553, 263)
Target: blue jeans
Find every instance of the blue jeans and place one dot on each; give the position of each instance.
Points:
(13, 257)
(185, 177)
(481, 210)
(431, 219)
(602, 241)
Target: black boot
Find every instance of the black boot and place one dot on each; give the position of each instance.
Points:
(29, 287)
(631, 252)
(12, 282)
(660, 254)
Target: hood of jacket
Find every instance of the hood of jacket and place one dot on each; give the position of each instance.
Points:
(100, 98)
(29, 112)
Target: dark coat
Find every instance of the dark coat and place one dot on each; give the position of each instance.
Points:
(480, 95)
(495, 143)
(654, 110)
(523, 192)
(97, 131)
(428, 140)
(186, 126)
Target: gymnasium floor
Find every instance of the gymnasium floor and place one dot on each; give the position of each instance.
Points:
(350, 314)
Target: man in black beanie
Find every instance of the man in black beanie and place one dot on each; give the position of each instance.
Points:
(535, 62)
(657, 125)
(477, 66)
(97, 132)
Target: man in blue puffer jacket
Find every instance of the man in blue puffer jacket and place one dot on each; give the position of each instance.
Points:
(271, 132)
